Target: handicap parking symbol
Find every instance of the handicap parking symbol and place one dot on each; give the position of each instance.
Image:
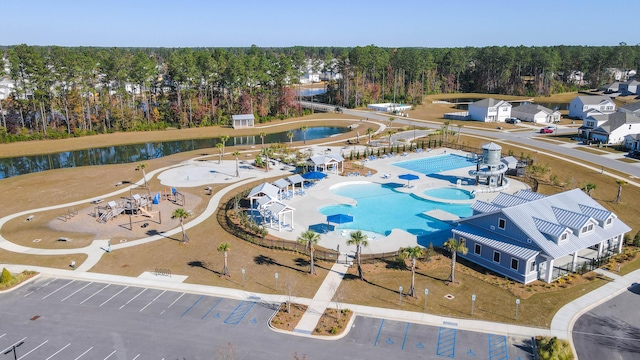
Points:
(419, 345)
(389, 341)
(471, 353)
(254, 320)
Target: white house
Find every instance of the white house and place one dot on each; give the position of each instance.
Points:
(618, 125)
(389, 107)
(242, 121)
(535, 113)
(490, 110)
(583, 106)
(614, 87)
(629, 87)
(6, 88)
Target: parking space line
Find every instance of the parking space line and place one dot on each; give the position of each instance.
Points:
(43, 286)
(32, 350)
(84, 353)
(378, 336)
(406, 331)
(108, 356)
(446, 342)
(77, 291)
(192, 305)
(15, 343)
(133, 298)
(498, 347)
(94, 294)
(174, 301)
(214, 305)
(57, 352)
(58, 289)
(1, 336)
(239, 313)
(150, 302)
(116, 294)
(137, 356)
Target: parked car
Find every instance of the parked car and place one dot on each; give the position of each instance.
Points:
(591, 141)
(512, 120)
(546, 130)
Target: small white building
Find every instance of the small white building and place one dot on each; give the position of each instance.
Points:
(389, 107)
(535, 113)
(633, 108)
(490, 110)
(584, 106)
(629, 87)
(614, 130)
(242, 121)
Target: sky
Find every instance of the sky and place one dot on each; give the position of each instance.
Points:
(341, 23)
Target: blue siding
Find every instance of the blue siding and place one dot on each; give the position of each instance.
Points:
(504, 267)
(511, 230)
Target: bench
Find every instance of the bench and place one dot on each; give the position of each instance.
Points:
(30, 217)
(63, 239)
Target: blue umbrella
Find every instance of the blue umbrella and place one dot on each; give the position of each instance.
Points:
(339, 218)
(409, 177)
(314, 175)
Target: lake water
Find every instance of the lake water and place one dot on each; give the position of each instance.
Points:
(123, 154)
(311, 92)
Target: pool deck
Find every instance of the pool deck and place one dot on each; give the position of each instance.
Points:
(307, 206)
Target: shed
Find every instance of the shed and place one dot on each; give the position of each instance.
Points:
(242, 121)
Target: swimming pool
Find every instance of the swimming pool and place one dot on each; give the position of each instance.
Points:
(449, 193)
(436, 164)
(380, 209)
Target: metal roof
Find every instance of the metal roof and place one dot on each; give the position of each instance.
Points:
(281, 183)
(278, 208)
(295, 179)
(491, 146)
(507, 200)
(529, 195)
(243, 117)
(483, 207)
(549, 228)
(264, 188)
(598, 214)
(568, 218)
(500, 243)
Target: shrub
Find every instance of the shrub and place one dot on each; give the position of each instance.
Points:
(6, 276)
(334, 330)
(552, 348)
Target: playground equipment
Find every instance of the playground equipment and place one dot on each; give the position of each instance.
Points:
(174, 196)
(64, 217)
(490, 171)
(132, 206)
(110, 211)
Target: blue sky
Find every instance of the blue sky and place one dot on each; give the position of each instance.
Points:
(266, 23)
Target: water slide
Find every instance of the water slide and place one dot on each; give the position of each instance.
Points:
(504, 186)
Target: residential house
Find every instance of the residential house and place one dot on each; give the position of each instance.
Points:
(583, 106)
(632, 142)
(611, 88)
(633, 108)
(490, 110)
(529, 236)
(629, 87)
(535, 113)
(617, 126)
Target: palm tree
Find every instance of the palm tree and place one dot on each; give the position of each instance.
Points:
(262, 135)
(589, 187)
(446, 133)
(220, 146)
(304, 134)
(391, 132)
(358, 239)
(391, 119)
(620, 183)
(266, 152)
(236, 154)
(181, 214)
(412, 253)
(454, 247)
(370, 132)
(144, 174)
(224, 139)
(225, 248)
(309, 238)
(290, 136)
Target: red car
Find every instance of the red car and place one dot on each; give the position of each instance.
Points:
(546, 131)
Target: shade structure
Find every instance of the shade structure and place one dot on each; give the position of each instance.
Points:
(409, 177)
(314, 175)
(339, 218)
(321, 228)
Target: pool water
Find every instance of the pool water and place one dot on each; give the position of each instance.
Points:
(380, 209)
(449, 193)
(436, 164)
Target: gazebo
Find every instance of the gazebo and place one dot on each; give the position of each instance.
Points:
(295, 179)
(264, 189)
(329, 162)
(283, 188)
(278, 211)
(242, 121)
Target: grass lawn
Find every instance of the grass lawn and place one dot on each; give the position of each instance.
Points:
(591, 151)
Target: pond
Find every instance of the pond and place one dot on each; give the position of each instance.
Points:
(461, 100)
(123, 154)
(311, 92)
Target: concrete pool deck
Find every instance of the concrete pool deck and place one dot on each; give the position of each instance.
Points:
(320, 195)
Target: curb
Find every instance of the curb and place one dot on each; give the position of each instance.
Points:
(346, 331)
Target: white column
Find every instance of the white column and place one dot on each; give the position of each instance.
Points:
(291, 220)
(620, 241)
(575, 260)
(600, 245)
(549, 274)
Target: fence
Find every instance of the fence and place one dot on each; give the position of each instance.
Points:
(581, 266)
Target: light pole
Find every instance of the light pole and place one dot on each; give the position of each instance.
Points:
(243, 276)
(400, 291)
(276, 281)
(426, 293)
(13, 348)
(517, 304)
(473, 302)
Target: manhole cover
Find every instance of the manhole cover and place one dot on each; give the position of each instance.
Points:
(35, 318)
(37, 240)
(449, 297)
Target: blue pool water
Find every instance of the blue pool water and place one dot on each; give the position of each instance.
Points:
(436, 164)
(380, 209)
(449, 193)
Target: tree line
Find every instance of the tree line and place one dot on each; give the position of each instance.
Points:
(61, 91)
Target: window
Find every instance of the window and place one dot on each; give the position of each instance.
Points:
(496, 256)
(533, 266)
(609, 221)
(563, 237)
(502, 223)
(514, 264)
(590, 228)
(477, 249)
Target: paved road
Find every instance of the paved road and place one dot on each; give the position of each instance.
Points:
(71, 319)
(611, 330)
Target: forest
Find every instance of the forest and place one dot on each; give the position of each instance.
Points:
(63, 92)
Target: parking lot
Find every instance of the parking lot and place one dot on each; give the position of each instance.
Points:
(56, 318)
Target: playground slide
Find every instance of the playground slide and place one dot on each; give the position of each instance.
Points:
(501, 170)
(144, 212)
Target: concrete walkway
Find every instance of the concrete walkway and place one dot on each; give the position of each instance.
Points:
(321, 299)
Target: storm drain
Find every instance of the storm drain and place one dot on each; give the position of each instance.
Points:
(449, 297)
